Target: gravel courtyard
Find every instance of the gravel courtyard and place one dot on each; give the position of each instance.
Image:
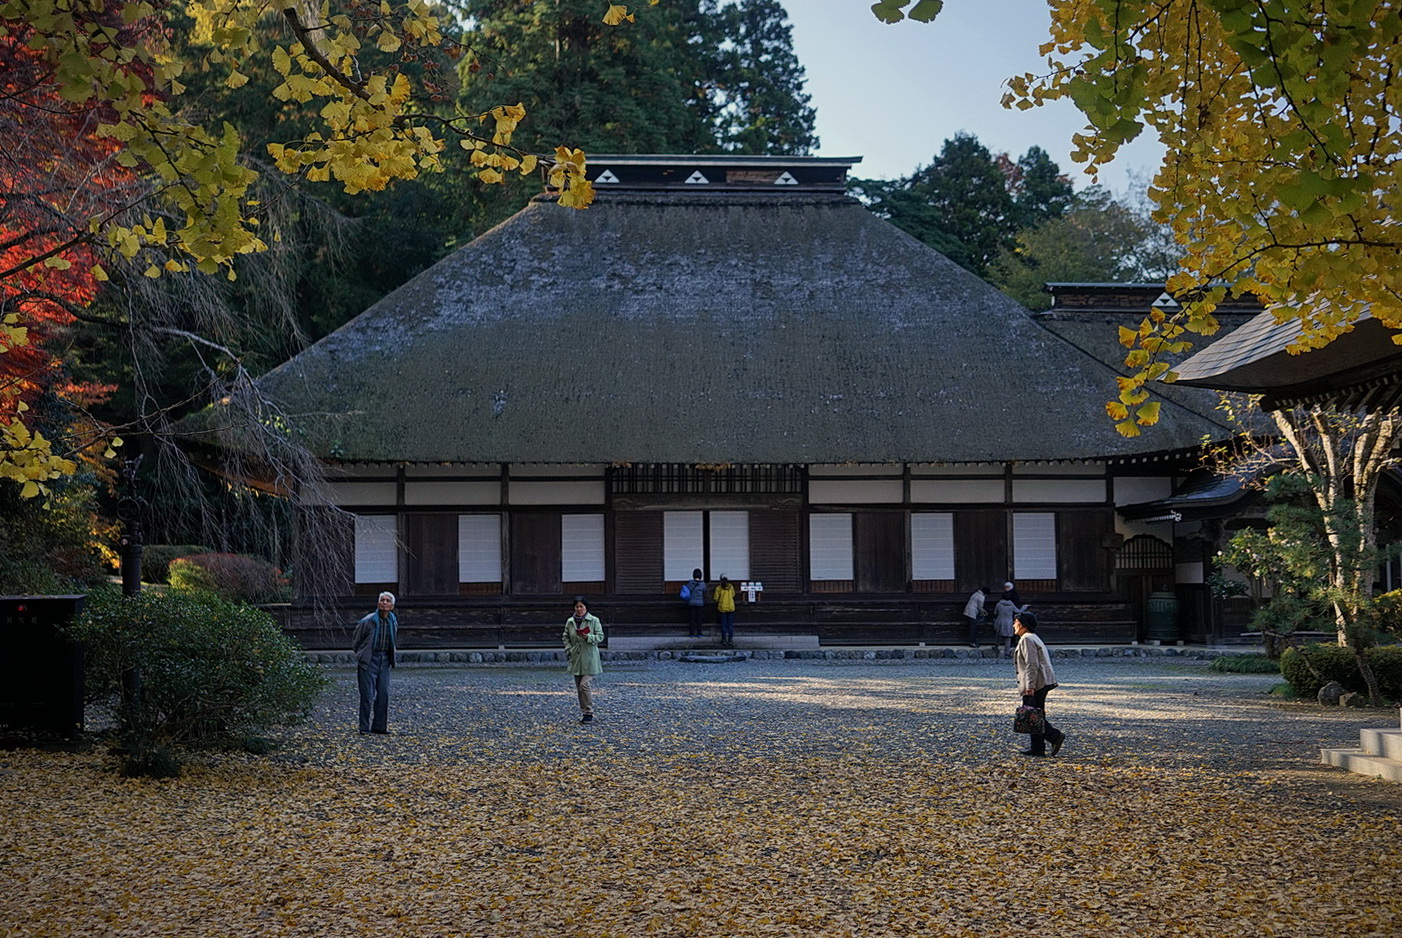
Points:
(1130, 712)
(764, 797)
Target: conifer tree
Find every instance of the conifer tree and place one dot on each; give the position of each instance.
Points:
(960, 204)
(634, 90)
(762, 105)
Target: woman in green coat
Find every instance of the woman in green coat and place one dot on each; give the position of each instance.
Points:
(583, 633)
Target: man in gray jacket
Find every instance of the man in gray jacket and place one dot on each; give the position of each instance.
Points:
(373, 644)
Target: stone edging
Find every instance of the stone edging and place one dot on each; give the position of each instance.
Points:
(464, 657)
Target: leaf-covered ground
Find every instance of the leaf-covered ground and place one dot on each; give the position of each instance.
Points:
(778, 798)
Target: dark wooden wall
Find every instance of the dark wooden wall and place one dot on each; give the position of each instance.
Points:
(469, 623)
(879, 606)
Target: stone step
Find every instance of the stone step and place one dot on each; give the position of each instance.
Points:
(743, 639)
(1381, 742)
(1362, 763)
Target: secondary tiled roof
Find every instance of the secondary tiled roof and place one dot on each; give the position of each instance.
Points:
(1089, 315)
(1362, 367)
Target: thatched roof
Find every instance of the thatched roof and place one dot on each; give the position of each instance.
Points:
(779, 325)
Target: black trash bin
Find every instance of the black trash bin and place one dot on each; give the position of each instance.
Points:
(43, 690)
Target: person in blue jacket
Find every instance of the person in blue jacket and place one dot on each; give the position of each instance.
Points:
(696, 603)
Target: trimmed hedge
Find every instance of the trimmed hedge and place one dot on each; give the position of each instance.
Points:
(1335, 663)
(212, 673)
(235, 577)
(1245, 664)
(156, 558)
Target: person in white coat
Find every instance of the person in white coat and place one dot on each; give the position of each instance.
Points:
(1035, 678)
(973, 612)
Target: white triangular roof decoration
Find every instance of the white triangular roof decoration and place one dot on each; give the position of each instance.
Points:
(696, 179)
(786, 180)
(606, 176)
(1165, 301)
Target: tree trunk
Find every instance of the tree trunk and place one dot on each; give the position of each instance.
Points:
(1345, 454)
(1370, 679)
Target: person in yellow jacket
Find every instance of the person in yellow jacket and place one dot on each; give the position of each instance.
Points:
(725, 607)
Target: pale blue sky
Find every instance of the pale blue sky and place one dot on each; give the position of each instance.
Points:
(894, 94)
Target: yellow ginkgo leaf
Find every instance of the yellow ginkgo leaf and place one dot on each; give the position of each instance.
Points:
(616, 14)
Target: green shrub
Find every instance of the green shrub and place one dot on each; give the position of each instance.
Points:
(155, 559)
(53, 545)
(235, 577)
(193, 577)
(1335, 663)
(1386, 661)
(1385, 615)
(212, 673)
(1310, 667)
(1245, 664)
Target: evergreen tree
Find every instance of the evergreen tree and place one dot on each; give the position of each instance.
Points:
(960, 204)
(1095, 240)
(588, 85)
(970, 205)
(684, 77)
(762, 105)
(1039, 189)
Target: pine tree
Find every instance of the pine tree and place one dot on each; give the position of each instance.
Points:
(1039, 189)
(684, 77)
(762, 104)
(603, 89)
(959, 204)
(969, 204)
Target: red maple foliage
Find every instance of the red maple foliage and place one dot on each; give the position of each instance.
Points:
(56, 175)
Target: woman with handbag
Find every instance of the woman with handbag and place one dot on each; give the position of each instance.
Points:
(1035, 678)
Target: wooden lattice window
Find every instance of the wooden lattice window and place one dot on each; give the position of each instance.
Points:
(682, 479)
(1144, 553)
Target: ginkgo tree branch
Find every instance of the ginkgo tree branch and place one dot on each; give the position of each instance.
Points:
(313, 49)
(56, 251)
(102, 76)
(1283, 152)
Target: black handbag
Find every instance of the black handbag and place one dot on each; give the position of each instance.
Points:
(1029, 720)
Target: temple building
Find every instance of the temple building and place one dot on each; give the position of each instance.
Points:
(727, 363)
